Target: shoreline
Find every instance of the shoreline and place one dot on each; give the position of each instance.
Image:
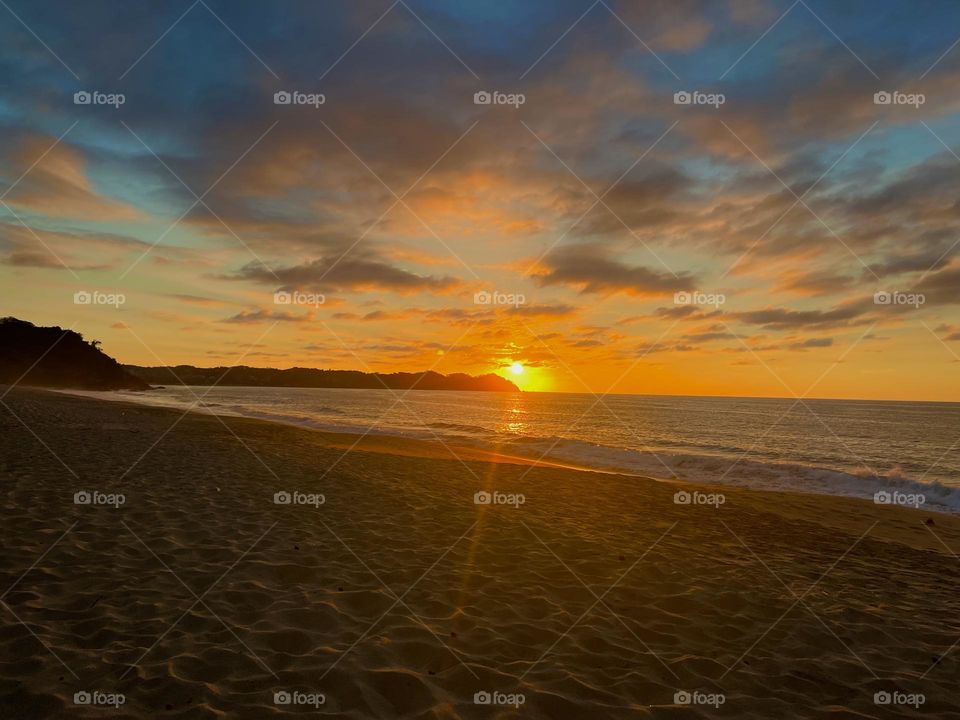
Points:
(400, 444)
(831, 510)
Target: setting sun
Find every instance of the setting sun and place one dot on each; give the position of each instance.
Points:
(516, 368)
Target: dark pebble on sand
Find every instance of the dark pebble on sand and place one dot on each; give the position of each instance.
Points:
(929, 521)
(296, 547)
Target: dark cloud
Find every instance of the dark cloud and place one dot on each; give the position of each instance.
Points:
(261, 315)
(812, 343)
(786, 319)
(346, 274)
(28, 258)
(822, 282)
(589, 269)
(941, 288)
(916, 262)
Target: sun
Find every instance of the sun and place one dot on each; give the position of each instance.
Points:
(516, 368)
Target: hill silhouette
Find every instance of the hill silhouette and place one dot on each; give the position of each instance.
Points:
(54, 357)
(243, 375)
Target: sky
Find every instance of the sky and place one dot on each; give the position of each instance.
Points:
(697, 197)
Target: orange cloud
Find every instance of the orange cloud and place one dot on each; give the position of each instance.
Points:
(58, 186)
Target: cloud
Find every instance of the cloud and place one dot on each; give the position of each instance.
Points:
(58, 184)
(924, 261)
(940, 288)
(710, 335)
(683, 312)
(816, 282)
(587, 268)
(268, 315)
(812, 343)
(29, 258)
(196, 299)
(787, 319)
(546, 311)
(347, 274)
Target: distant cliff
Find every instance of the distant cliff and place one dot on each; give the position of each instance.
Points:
(54, 357)
(313, 378)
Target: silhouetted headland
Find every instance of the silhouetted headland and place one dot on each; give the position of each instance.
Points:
(59, 358)
(54, 357)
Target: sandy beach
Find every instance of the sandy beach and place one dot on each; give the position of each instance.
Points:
(378, 584)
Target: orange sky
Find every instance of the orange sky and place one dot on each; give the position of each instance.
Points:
(797, 238)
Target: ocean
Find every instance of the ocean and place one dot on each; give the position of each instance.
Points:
(840, 447)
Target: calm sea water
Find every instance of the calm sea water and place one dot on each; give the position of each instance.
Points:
(827, 446)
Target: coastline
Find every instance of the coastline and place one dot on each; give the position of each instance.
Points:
(576, 454)
(499, 598)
